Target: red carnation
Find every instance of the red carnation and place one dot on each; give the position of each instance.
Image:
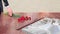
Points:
(21, 19)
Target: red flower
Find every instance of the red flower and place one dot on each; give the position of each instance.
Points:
(29, 18)
(21, 19)
(26, 18)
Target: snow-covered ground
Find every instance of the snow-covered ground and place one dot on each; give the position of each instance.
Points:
(44, 26)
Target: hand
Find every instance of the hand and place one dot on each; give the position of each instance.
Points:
(10, 12)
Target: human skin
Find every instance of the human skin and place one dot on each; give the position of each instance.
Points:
(10, 12)
(8, 24)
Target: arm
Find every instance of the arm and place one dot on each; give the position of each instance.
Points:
(8, 7)
(34, 18)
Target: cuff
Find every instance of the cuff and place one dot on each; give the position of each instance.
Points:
(6, 6)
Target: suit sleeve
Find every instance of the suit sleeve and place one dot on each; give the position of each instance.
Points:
(5, 2)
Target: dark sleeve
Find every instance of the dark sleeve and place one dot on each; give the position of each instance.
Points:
(5, 2)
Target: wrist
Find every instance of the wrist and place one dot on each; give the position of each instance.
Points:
(7, 6)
